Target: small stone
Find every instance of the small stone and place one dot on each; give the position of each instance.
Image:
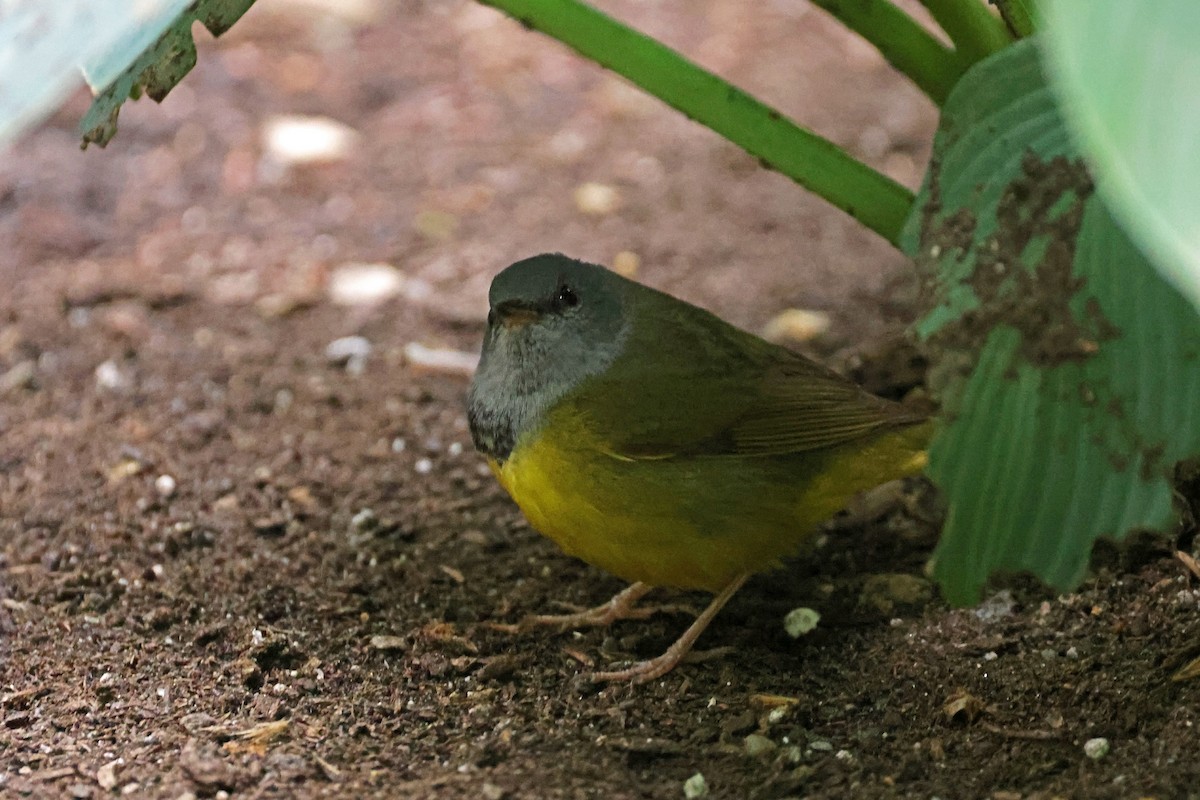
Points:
(844, 756)
(438, 226)
(801, 621)
(892, 591)
(796, 325)
(349, 351)
(778, 715)
(998, 606)
(20, 376)
(165, 485)
(757, 745)
(1096, 749)
(695, 787)
(597, 198)
(821, 746)
(423, 466)
(110, 377)
(291, 140)
(364, 520)
(358, 284)
(106, 776)
(490, 791)
(626, 263)
(388, 643)
(440, 359)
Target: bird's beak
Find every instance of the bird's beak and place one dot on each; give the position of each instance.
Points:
(513, 315)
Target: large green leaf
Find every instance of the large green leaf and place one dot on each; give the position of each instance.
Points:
(156, 69)
(1067, 368)
(1128, 75)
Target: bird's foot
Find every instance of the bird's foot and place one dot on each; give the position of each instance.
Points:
(644, 671)
(648, 670)
(623, 605)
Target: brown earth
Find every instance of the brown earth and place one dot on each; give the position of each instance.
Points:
(166, 314)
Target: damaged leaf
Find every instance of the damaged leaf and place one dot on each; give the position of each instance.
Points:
(1065, 365)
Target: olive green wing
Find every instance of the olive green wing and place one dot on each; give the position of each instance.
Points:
(704, 388)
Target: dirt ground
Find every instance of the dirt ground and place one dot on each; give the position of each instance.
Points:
(231, 566)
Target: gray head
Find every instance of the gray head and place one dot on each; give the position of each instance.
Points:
(553, 322)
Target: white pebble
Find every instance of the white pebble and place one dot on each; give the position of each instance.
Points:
(358, 284)
(294, 140)
(1096, 749)
(165, 485)
(597, 198)
(695, 787)
(438, 359)
(800, 621)
(455, 449)
(796, 325)
(110, 377)
(423, 466)
(351, 351)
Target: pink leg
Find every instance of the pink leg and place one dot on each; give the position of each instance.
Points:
(623, 605)
(657, 667)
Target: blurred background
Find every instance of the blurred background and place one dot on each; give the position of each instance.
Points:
(445, 140)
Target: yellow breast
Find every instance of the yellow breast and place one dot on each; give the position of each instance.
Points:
(688, 522)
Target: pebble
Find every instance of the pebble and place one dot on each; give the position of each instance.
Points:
(364, 520)
(165, 485)
(423, 466)
(110, 377)
(291, 140)
(438, 359)
(800, 621)
(358, 284)
(597, 198)
(695, 787)
(1096, 749)
(998, 606)
(349, 351)
(626, 263)
(756, 745)
(388, 643)
(19, 376)
(796, 325)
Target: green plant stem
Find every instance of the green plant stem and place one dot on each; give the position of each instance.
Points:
(1018, 15)
(975, 31)
(908, 47)
(872, 198)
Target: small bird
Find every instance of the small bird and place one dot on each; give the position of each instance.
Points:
(651, 439)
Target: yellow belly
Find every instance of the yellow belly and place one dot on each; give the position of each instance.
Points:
(696, 522)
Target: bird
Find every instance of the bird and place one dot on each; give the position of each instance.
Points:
(659, 443)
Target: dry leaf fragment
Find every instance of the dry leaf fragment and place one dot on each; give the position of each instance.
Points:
(963, 706)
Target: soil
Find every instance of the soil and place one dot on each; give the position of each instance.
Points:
(233, 567)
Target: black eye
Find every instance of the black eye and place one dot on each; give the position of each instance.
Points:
(566, 297)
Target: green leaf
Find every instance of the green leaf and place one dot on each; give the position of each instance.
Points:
(44, 45)
(1068, 369)
(1128, 75)
(155, 71)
